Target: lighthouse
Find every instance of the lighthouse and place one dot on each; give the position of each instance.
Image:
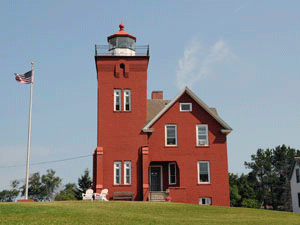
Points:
(122, 112)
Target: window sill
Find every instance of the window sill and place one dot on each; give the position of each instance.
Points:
(171, 146)
(202, 146)
(203, 183)
(122, 111)
(122, 185)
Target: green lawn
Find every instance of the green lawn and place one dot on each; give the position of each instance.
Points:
(118, 212)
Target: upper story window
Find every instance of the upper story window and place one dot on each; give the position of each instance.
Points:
(203, 172)
(117, 100)
(127, 172)
(171, 135)
(117, 172)
(185, 107)
(297, 175)
(127, 100)
(172, 173)
(202, 134)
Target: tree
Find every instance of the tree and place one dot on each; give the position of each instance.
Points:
(242, 192)
(262, 168)
(271, 168)
(10, 195)
(69, 193)
(50, 183)
(35, 190)
(42, 188)
(84, 183)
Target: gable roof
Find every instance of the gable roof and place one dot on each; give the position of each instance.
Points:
(227, 129)
(296, 160)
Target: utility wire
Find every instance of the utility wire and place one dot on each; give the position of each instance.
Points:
(54, 161)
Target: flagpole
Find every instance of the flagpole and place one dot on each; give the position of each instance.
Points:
(29, 134)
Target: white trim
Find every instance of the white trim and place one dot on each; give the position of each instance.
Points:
(117, 166)
(161, 176)
(175, 125)
(185, 103)
(199, 141)
(198, 100)
(127, 165)
(129, 96)
(198, 172)
(117, 93)
(169, 170)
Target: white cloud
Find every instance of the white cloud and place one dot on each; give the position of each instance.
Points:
(194, 65)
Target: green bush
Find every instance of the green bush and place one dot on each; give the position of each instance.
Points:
(250, 203)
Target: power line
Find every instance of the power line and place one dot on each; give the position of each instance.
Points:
(54, 161)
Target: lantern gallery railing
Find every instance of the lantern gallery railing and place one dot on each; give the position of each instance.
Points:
(105, 50)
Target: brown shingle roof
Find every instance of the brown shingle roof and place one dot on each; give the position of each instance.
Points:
(155, 106)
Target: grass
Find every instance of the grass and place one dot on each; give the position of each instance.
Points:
(118, 212)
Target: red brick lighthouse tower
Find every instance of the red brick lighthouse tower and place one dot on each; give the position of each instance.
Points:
(122, 112)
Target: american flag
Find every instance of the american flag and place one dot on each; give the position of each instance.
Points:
(26, 78)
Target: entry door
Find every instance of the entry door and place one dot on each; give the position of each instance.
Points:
(155, 178)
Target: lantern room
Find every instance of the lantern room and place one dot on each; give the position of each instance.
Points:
(121, 43)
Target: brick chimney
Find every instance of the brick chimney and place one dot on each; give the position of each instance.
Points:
(157, 95)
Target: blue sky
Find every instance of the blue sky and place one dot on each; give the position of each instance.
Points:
(241, 57)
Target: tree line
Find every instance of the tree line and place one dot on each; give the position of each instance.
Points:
(267, 185)
(45, 188)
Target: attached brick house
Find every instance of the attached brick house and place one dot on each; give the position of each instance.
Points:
(152, 147)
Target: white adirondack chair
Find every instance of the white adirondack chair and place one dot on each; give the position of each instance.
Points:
(88, 195)
(102, 195)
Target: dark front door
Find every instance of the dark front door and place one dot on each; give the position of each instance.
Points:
(155, 178)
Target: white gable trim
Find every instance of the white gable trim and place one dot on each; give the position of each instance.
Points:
(227, 129)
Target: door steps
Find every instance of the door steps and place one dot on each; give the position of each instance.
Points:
(156, 196)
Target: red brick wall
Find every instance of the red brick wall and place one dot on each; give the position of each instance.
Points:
(187, 154)
(119, 133)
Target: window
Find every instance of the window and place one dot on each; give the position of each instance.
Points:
(127, 100)
(204, 201)
(172, 173)
(127, 172)
(203, 172)
(202, 134)
(171, 135)
(117, 100)
(299, 199)
(117, 172)
(185, 107)
(297, 175)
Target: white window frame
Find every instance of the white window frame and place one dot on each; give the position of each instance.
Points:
(202, 142)
(185, 103)
(166, 134)
(117, 166)
(207, 201)
(297, 171)
(199, 172)
(127, 93)
(170, 175)
(127, 167)
(117, 93)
